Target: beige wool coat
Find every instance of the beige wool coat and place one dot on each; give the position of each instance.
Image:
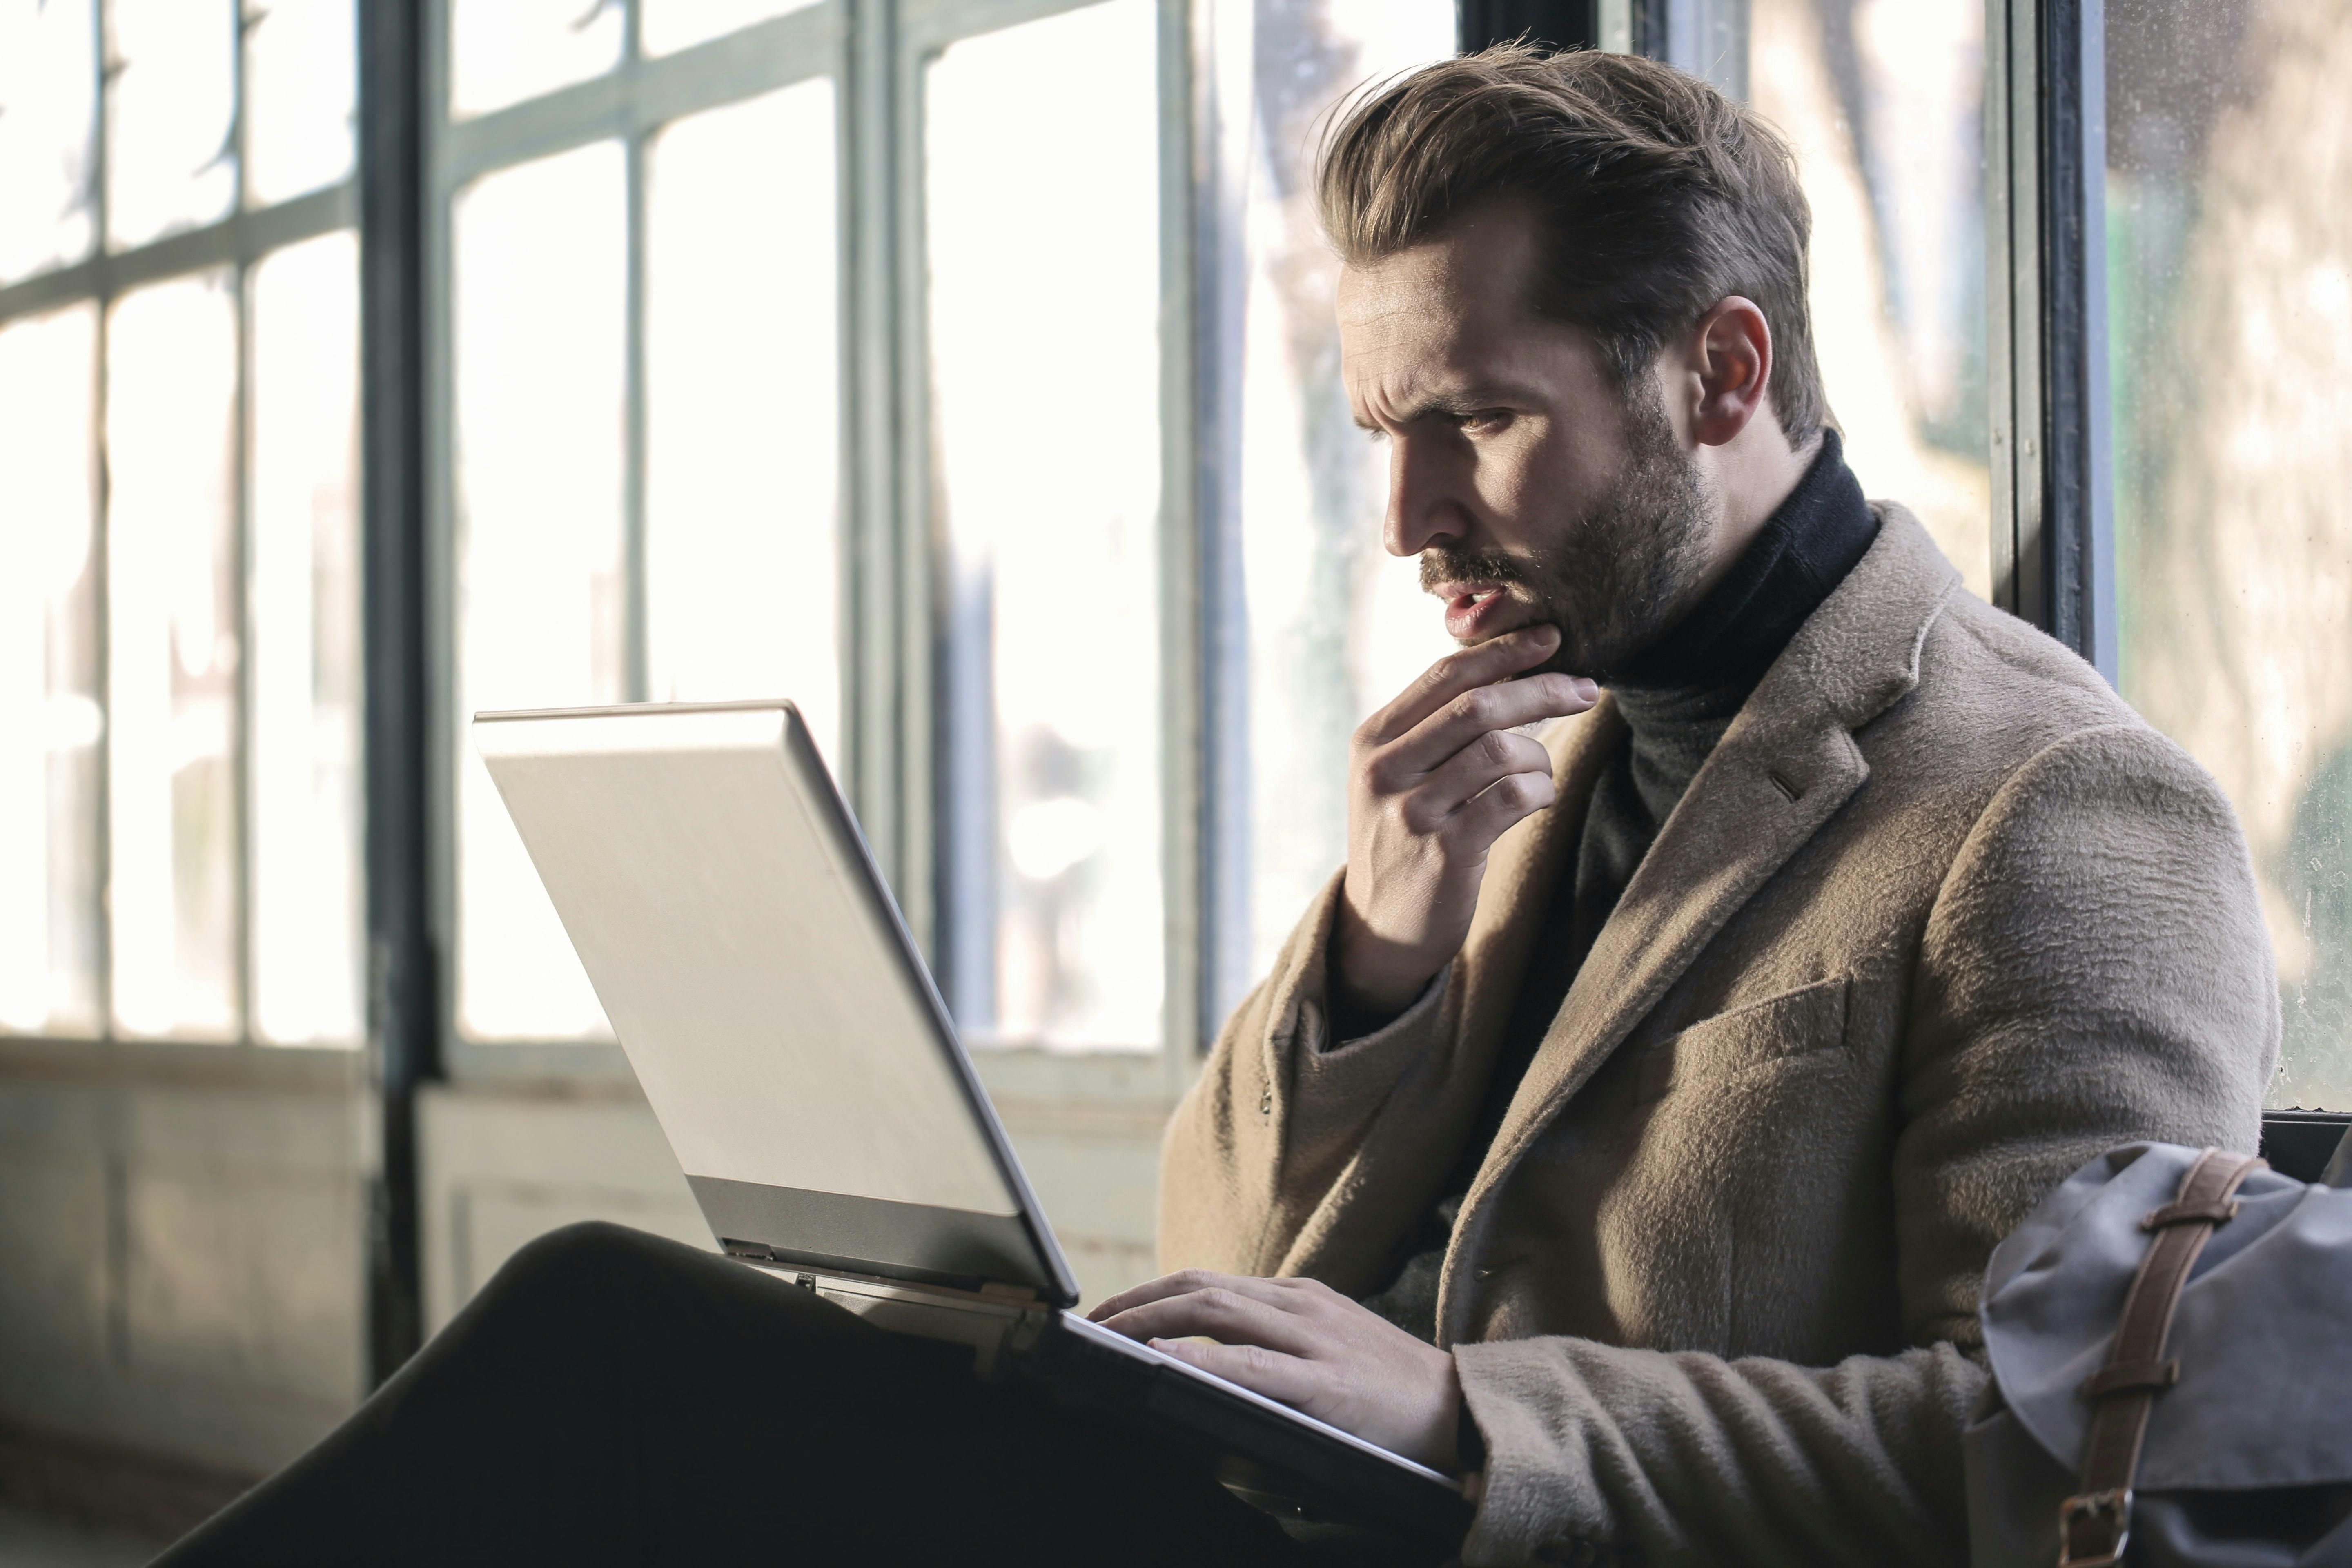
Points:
(1939, 919)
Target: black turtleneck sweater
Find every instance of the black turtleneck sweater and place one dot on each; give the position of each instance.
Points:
(1677, 698)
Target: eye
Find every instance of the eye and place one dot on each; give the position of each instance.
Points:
(1484, 421)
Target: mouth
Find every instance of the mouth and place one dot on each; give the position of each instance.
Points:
(1475, 612)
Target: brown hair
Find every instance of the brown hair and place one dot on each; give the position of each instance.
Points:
(1661, 197)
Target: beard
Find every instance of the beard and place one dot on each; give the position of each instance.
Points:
(1624, 568)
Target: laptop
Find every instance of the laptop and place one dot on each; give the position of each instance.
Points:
(811, 1083)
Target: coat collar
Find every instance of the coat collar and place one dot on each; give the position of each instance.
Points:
(1785, 766)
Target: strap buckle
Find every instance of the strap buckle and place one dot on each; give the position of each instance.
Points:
(2094, 1529)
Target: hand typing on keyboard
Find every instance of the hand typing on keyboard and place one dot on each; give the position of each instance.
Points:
(1302, 1342)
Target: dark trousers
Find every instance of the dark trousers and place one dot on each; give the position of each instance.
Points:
(610, 1397)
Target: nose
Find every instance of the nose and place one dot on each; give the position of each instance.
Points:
(1421, 510)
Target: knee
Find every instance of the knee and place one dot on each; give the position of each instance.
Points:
(574, 1258)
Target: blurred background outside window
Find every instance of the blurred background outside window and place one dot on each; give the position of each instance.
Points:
(179, 700)
(2229, 241)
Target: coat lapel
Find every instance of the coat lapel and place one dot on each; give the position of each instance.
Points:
(1785, 766)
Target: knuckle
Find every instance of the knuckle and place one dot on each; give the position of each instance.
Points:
(1496, 745)
(1476, 707)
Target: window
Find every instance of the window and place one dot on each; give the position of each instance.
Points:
(1043, 256)
(642, 375)
(2228, 315)
(180, 769)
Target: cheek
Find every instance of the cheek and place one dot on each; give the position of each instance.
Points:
(1532, 482)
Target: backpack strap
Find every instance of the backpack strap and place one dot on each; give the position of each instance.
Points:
(2094, 1524)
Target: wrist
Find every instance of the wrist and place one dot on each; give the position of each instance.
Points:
(1366, 988)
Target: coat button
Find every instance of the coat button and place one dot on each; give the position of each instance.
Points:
(1266, 1103)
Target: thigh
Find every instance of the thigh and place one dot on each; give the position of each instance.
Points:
(610, 1397)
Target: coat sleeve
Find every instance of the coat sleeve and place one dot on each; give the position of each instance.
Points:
(2095, 970)
(1279, 1112)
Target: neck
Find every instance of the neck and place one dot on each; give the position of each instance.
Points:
(1754, 473)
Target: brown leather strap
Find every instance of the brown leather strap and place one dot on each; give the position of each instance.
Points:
(2094, 1523)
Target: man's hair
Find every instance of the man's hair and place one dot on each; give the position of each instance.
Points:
(1658, 196)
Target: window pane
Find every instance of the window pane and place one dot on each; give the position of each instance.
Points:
(170, 161)
(1883, 102)
(503, 51)
(300, 61)
(743, 376)
(304, 568)
(2230, 314)
(1337, 626)
(540, 288)
(172, 658)
(48, 86)
(675, 23)
(1044, 365)
(49, 714)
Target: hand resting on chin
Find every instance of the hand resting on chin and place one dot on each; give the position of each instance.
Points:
(1302, 1342)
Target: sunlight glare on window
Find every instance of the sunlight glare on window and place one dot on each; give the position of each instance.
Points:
(300, 65)
(503, 51)
(48, 86)
(743, 373)
(1045, 265)
(539, 287)
(170, 101)
(50, 716)
(302, 564)
(172, 658)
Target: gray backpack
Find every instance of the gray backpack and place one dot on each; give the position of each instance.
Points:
(2170, 1335)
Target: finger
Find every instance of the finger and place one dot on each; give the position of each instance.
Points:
(1259, 1370)
(1473, 829)
(1504, 705)
(1495, 755)
(1183, 1282)
(1222, 1315)
(1464, 671)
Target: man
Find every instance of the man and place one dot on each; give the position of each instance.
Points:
(1663, 1088)
(1626, 1127)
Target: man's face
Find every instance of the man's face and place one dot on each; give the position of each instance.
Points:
(1532, 487)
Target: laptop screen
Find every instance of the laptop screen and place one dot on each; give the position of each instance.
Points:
(759, 979)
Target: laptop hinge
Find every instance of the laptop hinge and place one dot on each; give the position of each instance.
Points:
(1016, 1295)
(997, 1290)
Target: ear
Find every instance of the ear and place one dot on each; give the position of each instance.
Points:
(1732, 346)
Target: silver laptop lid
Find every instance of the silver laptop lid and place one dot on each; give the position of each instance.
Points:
(756, 969)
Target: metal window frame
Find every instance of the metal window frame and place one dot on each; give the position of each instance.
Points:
(2045, 246)
(235, 244)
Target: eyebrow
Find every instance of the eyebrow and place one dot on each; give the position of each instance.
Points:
(1468, 401)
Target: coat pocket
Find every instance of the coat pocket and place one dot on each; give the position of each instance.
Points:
(1793, 1024)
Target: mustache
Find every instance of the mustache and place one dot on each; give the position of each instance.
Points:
(1439, 565)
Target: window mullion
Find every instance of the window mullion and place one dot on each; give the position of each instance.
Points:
(636, 677)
